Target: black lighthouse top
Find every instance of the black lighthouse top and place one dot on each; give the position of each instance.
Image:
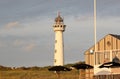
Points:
(58, 18)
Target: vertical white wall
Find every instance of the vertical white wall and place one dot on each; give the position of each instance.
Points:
(59, 48)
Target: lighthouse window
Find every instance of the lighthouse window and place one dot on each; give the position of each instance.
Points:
(55, 41)
(55, 50)
(54, 60)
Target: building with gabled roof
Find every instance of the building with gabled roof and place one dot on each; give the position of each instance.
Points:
(107, 49)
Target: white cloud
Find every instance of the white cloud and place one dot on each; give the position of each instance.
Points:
(12, 25)
(30, 47)
(29, 28)
(18, 43)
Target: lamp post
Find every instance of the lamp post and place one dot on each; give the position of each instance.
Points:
(95, 30)
(95, 36)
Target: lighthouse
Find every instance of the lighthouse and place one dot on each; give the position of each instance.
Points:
(59, 28)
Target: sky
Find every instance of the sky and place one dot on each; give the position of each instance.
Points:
(27, 36)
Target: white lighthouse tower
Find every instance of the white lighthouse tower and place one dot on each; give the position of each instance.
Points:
(59, 28)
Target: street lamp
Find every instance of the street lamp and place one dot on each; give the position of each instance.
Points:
(94, 34)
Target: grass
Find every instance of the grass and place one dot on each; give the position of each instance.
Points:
(37, 74)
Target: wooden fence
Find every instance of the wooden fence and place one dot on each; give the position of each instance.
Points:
(114, 76)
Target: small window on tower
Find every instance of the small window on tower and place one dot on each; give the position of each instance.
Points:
(55, 41)
(55, 50)
(54, 60)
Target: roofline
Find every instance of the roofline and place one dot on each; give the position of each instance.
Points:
(114, 35)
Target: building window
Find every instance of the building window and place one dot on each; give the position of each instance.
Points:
(108, 43)
(106, 57)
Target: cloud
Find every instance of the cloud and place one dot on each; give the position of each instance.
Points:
(2, 44)
(30, 47)
(82, 18)
(18, 43)
(12, 25)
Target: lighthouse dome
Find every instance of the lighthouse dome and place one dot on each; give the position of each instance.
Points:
(58, 19)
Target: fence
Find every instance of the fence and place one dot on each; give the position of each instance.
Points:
(114, 76)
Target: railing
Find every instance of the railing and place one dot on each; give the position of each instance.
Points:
(114, 76)
(106, 55)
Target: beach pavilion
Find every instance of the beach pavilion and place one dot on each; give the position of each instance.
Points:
(107, 49)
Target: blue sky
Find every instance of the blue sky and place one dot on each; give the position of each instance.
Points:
(27, 36)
